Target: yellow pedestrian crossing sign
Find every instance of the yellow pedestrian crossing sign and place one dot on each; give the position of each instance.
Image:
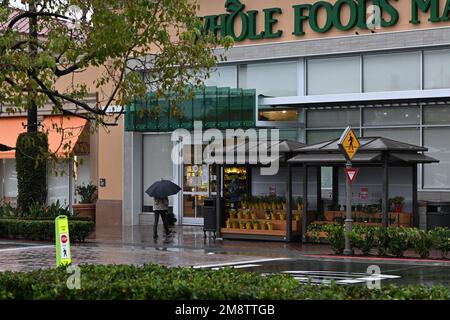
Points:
(349, 143)
(62, 240)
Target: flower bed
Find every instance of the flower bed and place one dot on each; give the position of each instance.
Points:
(162, 283)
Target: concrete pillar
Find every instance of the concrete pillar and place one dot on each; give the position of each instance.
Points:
(132, 178)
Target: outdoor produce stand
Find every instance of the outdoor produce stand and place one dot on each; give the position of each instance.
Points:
(259, 217)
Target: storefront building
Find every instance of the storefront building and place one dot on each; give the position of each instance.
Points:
(315, 68)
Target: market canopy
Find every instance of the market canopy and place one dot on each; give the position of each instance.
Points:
(215, 107)
(370, 151)
(248, 149)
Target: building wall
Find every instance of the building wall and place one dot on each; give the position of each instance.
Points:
(110, 168)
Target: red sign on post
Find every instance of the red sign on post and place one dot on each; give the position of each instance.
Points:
(351, 174)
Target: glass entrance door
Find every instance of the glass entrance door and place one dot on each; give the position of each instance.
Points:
(196, 187)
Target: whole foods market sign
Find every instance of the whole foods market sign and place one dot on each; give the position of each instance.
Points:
(242, 24)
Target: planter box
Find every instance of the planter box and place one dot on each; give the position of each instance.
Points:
(85, 210)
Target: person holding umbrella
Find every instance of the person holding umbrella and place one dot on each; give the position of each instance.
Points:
(161, 208)
(160, 191)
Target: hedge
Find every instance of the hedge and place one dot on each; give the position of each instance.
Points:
(388, 241)
(161, 283)
(31, 167)
(43, 230)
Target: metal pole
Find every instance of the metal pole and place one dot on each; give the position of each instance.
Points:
(289, 204)
(348, 215)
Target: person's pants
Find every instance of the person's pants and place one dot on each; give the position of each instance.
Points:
(163, 214)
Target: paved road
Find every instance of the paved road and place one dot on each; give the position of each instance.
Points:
(16, 256)
(323, 271)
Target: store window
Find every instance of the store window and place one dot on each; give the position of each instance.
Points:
(392, 72)
(333, 118)
(407, 135)
(317, 136)
(437, 141)
(223, 76)
(10, 190)
(436, 69)
(278, 115)
(333, 75)
(58, 183)
(391, 116)
(270, 79)
(436, 114)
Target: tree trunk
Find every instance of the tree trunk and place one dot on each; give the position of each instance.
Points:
(32, 118)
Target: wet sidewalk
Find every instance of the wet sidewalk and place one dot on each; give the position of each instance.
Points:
(186, 247)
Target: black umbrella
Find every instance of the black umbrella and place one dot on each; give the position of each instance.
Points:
(162, 189)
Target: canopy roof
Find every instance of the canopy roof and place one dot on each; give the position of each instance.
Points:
(367, 144)
(247, 149)
(370, 152)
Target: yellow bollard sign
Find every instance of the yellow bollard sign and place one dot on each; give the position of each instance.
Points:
(62, 240)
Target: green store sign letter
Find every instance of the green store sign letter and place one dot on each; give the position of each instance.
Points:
(242, 25)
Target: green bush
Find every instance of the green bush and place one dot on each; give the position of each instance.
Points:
(152, 282)
(389, 241)
(441, 240)
(31, 167)
(363, 238)
(42, 230)
(399, 241)
(336, 237)
(421, 241)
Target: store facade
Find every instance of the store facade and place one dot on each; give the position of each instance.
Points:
(315, 68)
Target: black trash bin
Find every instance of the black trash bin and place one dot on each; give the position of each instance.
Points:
(210, 215)
(438, 215)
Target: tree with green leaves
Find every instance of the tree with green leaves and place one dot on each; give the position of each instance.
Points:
(45, 41)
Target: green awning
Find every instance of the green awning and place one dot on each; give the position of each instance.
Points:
(221, 108)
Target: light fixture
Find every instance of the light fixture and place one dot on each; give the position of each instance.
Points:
(284, 111)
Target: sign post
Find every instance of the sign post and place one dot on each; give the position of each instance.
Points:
(63, 256)
(349, 145)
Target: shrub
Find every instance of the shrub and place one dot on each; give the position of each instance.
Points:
(398, 241)
(123, 282)
(363, 238)
(31, 167)
(42, 230)
(421, 241)
(441, 240)
(381, 240)
(336, 237)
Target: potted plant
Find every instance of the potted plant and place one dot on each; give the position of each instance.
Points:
(248, 225)
(228, 223)
(255, 225)
(282, 216)
(267, 214)
(300, 204)
(398, 203)
(263, 225)
(88, 197)
(235, 224)
(270, 225)
(253, 215)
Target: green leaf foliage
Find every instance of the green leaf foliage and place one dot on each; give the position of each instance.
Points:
(43, 230)
(153, 282)
(31, 169)
(388, 241)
